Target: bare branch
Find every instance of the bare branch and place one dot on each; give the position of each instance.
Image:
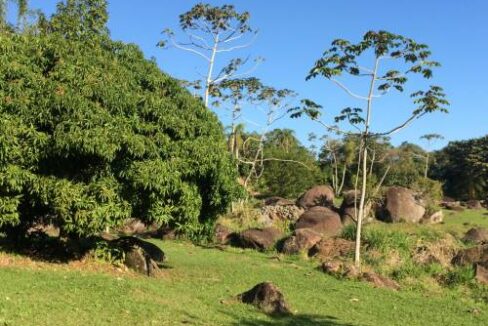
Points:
(369, 71)
(276, 159)
(289, 161)
(181, 47)
(333, 128)
(201, 39)
(233, 38)
(238, 46)
(402, 126)
(252, 122)
(348, 91)
(378, 187)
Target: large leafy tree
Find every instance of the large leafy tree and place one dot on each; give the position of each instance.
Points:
(289, 168)
(92, 133)
(345, 58)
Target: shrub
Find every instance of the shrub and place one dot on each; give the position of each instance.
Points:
(107, 252)
(431, 192)
(92, 133)
(407, 269)
(458, 276)
(349, 232)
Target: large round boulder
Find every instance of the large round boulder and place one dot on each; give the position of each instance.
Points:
(267, 297)
(349, 207)
(141, 256)
(434, 218)
(481, 273)
(223, 235)
(470, 256)
(301, 241)
(476, 235)
(328, 249)
(317, 196)
(401, 205)
(474, 204)
(261, 239)
(322, 220)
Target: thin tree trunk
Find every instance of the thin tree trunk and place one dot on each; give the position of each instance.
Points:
(343, 178)
(210, 70)
(335, 180)
(357, 253)
(426, 172)
(232, 138)
(372, 163)
(358, 170)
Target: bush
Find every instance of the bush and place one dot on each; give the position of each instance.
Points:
(92, 133)
(105, 251)
(407, 269)
(243, 215)
(292, 173)
(349, 232)
(459, 276)
(431, 192)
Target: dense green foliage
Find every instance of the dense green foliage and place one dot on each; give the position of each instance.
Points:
(92, 133)
(463, 168)
(291, 168)
(403, 165)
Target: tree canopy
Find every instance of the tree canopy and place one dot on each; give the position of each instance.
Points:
(92, 133)
(463, 167)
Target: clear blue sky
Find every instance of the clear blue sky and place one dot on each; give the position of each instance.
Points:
(293, 34)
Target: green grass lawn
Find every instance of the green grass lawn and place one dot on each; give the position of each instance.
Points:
(456, 223)
(198, 282)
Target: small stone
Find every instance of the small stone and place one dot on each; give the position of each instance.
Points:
(481, 274)
(380, 281)
(267, 297)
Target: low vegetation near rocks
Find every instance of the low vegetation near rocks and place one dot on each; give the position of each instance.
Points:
(406, 242)
(198, 286)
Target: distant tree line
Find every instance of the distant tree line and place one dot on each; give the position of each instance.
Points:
(462, 166)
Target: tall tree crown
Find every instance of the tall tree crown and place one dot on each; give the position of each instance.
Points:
(215, 19)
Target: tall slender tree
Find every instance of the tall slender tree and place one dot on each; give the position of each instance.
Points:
(429, 138)
(211, 32)
(345, 58)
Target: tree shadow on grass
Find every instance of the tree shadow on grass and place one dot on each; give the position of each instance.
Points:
(41, 247)
(291, 320)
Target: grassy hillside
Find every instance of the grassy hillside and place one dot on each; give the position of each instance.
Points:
(196, 286)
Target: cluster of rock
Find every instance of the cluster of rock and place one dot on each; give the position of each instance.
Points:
(460, 206)
(476, 256)
(279, 209)
(314, 218)
(316, 223)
